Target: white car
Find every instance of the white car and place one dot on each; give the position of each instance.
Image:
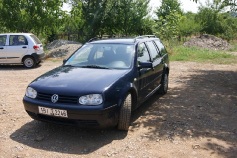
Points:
(21, 48)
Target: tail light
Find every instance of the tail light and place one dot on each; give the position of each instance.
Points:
(36, 47)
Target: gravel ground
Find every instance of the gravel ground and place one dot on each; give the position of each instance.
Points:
(196, 119)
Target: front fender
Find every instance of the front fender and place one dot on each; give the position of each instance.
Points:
(129, 88)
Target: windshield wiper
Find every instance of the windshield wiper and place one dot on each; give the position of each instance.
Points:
(95, 66)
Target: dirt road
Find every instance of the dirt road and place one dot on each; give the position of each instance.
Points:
(196, 119)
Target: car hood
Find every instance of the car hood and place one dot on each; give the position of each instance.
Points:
(77, 80)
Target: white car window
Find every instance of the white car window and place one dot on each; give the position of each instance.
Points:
(3, 40)
(17, 40)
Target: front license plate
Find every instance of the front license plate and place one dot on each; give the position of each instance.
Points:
(52, 112)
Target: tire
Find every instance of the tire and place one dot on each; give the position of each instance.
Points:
(125, 114)
(29, 62)
(164, 84)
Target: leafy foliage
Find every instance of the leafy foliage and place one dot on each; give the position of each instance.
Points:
(214, 22)
(188, 25)
(90, 18)
(107, 17)
(169, 16)
(168, 7)
(31, 15)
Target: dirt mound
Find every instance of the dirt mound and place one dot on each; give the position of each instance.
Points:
(61, 48)
(208, 42)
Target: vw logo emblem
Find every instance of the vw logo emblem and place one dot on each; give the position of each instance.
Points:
(54, 98)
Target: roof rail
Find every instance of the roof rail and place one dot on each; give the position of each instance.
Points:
(145, 36)
(103, 37)
(93, 39)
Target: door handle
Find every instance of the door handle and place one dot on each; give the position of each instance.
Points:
(24, 47)
(1, 48)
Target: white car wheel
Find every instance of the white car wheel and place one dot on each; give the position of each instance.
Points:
(29, 62)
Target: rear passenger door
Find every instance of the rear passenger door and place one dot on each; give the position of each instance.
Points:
(16, 50)
(157, 64)
(3, 47)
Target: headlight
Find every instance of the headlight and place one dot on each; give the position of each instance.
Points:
(31, 93)
(92, 99)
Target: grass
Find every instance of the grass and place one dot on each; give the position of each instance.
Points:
(182, 53)
(233, 46)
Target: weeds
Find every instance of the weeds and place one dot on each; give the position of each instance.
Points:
(182, 53)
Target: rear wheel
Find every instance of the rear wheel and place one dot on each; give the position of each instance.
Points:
(125, 113)
(164, 84)
(29, 62)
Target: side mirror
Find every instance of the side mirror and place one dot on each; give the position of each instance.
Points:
(64, 61)
(145, 65)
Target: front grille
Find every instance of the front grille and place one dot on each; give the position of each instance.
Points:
(61, 98)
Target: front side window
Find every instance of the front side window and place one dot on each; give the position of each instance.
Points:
(143, 55)
(16, 40)
(103, 55)
(3, 40)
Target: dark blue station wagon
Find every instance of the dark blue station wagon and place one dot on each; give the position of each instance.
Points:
(101, 83)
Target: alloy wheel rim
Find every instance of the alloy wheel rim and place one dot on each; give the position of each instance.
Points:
(28, 62)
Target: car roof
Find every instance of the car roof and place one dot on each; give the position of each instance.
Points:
(124, 40)
(121, 41)
(16, 34)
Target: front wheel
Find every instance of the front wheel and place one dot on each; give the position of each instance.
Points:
(164, 84)
(125, 114)
(29, 62)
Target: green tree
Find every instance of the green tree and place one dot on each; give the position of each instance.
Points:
(132, 17)
(108, 17)
(74, 22)
(167, 7)
(188, 25)
(229, 26)
(32, 15)
(209, 21)
(232, 4)
(169, 16)
(214, 21)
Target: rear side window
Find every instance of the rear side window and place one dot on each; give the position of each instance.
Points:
(161, 47)
(153, 51)
(37, 41)
(3, 40)
(16, 40)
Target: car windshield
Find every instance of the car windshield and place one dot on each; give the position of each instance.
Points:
(103, 56)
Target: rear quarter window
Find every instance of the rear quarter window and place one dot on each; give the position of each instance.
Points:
(161, 47)
(37, 41)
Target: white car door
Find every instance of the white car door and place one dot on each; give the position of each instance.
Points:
(3, 47)
(18, 47)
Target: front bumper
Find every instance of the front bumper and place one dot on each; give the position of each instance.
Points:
(83, 116)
